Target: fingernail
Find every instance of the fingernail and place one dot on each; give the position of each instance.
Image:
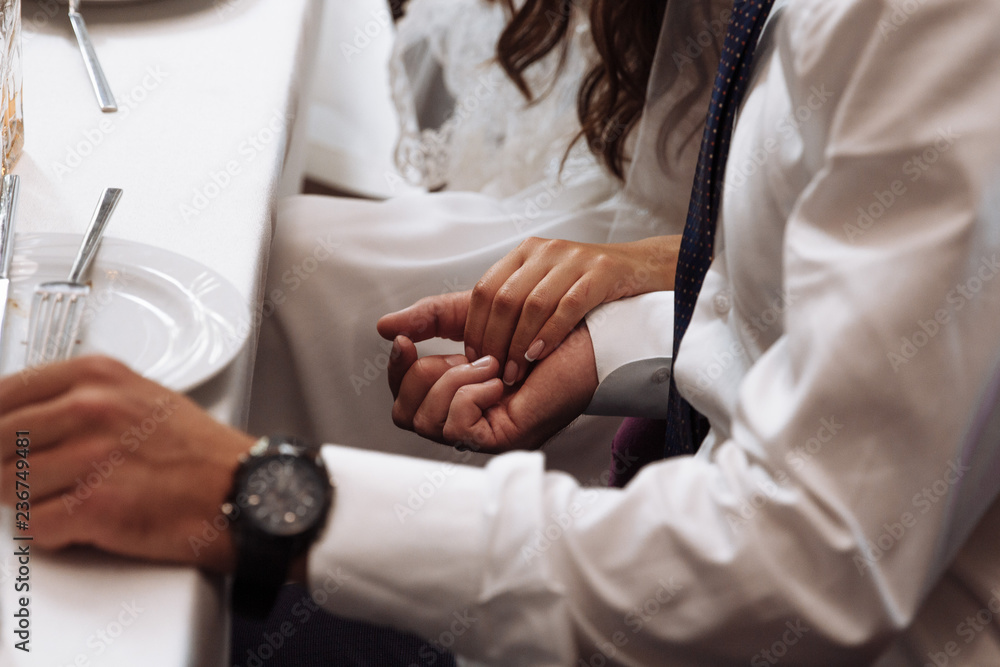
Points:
(396, 349)
(510, 373)
(535, 350)
(455, 360)
(470, 354)
(482, 363)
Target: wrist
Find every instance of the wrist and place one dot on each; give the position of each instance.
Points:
(652, 264)
(280, 498)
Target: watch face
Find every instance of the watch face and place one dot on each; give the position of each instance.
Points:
(285, 495)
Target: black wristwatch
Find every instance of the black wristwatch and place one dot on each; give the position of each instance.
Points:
(278, 505)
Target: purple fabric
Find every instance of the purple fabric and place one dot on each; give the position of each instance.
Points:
(637, 442)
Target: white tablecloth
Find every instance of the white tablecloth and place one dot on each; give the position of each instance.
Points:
(204, 88)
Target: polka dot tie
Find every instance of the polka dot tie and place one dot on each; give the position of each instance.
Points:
(685, 427)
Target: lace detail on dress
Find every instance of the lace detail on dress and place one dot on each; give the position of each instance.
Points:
(463, 123)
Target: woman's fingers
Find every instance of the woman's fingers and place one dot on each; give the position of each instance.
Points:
(500, 292)
(560, 294)
(533, 291)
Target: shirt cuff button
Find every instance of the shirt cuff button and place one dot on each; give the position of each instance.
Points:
(722, 303)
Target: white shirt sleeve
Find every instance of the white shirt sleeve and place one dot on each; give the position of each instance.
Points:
(633, 370)
(812, 530)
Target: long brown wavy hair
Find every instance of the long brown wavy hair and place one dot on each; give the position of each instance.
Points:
(613, 93)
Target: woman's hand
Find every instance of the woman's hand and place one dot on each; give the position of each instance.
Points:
(529, 301)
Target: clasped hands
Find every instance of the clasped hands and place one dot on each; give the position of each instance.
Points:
(527, 309)
(95, 480)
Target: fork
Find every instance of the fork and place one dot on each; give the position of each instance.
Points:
(101, 88)
(57, 307)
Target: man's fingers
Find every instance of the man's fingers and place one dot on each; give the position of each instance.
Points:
(466, 424)
(32, 385)
(51, 473)
(417, 383)
(432, 317)
(54, 527)
(430, 417)
(75, 413)
(403, 355)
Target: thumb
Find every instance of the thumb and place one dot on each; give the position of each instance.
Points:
(432, 317)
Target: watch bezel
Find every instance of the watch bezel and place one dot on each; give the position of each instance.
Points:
(314, 477)
(263, 555)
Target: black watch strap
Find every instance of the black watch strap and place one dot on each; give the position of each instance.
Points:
(264, 556)
(261, 570)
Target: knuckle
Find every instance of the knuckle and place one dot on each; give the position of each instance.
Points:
(574, 302)
(528, 245)
(423, 424)
(557, 245)
(399, 419)
(453, 435)
(505, 301)
(424, 371)
(536, 304)
(102, 368)
(603, 263)
(93, 406)
(482, 291)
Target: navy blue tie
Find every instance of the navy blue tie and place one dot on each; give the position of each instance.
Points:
(685, 427)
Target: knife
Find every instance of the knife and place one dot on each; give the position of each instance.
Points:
(8, 205)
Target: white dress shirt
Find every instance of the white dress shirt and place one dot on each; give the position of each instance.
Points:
(837, 513)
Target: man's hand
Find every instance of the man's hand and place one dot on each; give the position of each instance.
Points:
(119, 462)
(449, 400)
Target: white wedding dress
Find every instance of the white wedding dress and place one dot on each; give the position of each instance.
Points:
(490, 163)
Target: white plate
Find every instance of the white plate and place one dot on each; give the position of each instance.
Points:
(168, 317)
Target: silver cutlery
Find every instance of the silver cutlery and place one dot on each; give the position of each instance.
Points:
(57, 308)
(8, 207)
(101, 88)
